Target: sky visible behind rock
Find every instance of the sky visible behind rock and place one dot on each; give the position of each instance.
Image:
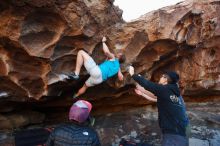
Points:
(133, 9)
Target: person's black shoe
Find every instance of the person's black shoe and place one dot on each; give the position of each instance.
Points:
(63, 77)
(73, 76)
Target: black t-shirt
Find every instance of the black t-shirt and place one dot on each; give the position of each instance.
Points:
(171, 108)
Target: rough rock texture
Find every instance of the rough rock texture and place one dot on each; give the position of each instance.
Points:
(20, 119)
(183, 37)
(40, 39)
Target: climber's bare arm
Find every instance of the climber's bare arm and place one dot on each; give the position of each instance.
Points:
(146, 94)
(120, 75)
(106, 49)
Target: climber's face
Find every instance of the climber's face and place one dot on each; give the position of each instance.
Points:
(121, 57)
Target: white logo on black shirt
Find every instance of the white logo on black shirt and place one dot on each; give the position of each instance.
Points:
(174, 98)
(85, 133)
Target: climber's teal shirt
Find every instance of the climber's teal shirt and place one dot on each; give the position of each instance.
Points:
(109, 68)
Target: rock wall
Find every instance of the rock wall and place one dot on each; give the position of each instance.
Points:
(40, 39)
